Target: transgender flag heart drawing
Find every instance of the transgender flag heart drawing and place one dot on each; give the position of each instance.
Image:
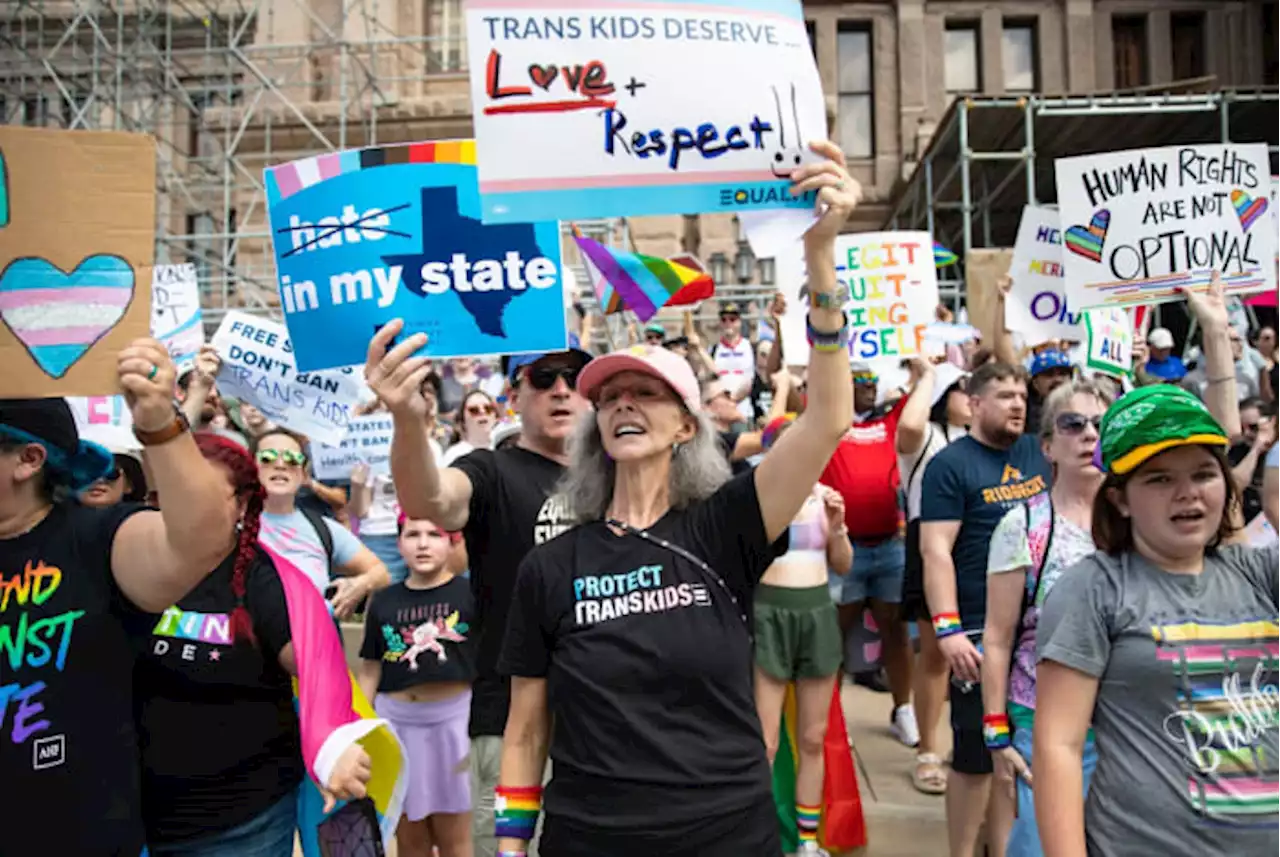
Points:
(59, 316)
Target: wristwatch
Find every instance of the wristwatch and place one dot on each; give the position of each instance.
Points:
(166, 434)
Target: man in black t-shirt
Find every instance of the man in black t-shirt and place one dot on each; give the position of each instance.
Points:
(500, 500)
(79, 590)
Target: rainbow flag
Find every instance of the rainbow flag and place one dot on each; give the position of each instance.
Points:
(333, 713)
(640, 283)
(942, 257)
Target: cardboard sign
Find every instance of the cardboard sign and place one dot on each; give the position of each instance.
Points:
(77, 240)
(366, 236)
(1037, 306)
(1137, 225)
(1110, 340)
(635, 108)
(368, 440)
(258, 368)
(175, 311)
(105, 420)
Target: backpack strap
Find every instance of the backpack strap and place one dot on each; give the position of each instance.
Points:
(322, 531)
(1040, 518)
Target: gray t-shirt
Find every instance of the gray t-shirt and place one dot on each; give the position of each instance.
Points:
(1187, 704)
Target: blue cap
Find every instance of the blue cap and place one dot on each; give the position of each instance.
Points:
(1050, 358)
(513, 364)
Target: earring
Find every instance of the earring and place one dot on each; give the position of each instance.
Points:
(239, 527)
(675, 448)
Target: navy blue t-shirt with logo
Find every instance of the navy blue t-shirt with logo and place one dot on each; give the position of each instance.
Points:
(976, 485)
(648, 663)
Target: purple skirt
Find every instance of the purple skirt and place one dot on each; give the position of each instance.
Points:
(434, 735)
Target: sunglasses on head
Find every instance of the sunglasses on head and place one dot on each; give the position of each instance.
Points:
(545, 377)
(1071, 422)
(286, 456)
(480, 410)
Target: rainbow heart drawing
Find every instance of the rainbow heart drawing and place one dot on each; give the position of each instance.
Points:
(59, 316)
(1248, 208)
(1087, 241)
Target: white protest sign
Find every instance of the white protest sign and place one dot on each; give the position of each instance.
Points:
(105, 420)
(1037, 306)
(175, 310)
(368, 440)
(1110, 340)
(630, 108)
(258, 368)
(1140, 224)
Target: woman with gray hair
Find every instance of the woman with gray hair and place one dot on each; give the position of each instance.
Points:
(629, 643)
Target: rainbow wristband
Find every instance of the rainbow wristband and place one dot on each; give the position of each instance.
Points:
(995, 731)
(947, 624)
(822, 340)
(515, 811)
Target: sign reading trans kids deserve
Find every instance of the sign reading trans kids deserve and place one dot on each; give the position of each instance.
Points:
(1140, 224)
(1037, 307)
(629, 108)
(258, 368)
(366, 236)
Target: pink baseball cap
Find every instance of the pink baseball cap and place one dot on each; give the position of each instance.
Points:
(648, 360)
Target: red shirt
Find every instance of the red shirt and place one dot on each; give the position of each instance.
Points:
(864, 469)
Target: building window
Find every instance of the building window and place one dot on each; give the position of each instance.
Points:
(963, 68)
(1129, 47)
(1270, 45)
(35, 111)
(1019, 54)
(200, 248)
(855, 117)
(447, 28)
(1188, 45)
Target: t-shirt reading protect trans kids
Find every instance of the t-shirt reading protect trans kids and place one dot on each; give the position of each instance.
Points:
(69, 754)
(421, 636)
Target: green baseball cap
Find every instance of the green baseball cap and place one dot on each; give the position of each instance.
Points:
(1150, 420)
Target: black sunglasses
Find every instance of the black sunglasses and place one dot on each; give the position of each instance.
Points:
(111, 475)
(1071, 422)
(545, 377)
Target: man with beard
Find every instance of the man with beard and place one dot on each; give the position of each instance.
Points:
(499, 499)
(968, 487)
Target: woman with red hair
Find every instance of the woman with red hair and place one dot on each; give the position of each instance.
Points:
(222, 750)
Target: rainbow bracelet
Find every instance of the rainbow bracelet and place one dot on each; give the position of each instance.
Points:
(995, 731)
(515, 811)
(946, 625)
(823, 340)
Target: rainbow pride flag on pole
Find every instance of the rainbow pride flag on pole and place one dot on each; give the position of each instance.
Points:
(640, 283)
(333, 713)
(942, 257)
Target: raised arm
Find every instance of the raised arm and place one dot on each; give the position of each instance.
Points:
(158, 557)
(788, 473)
(424, 490)
(914, 419)
(839, 547)
(1001, 341)
(1220, 395)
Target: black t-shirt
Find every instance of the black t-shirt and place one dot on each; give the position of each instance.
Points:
(421, 636)
(219, 731)
(1252, 494)
(511, 511)
(68, 745)
(761, 398)
(729, 442)
(648, 666)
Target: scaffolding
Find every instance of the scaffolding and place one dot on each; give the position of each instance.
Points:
(992, 156)
(228, 87)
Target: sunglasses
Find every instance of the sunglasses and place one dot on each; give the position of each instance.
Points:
(286, 456)
(480, 410)
(1074, 423)
(545, 377)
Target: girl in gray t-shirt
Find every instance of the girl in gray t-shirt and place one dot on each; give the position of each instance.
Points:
(1166, 641)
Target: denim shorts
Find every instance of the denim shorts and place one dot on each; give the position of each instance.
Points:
(1024, 838)
(270, 834)
(877, 573)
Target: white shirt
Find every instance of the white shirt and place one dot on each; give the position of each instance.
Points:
(736, 365)
(911, 467)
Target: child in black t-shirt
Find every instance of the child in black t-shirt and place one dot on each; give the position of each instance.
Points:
(417, 664)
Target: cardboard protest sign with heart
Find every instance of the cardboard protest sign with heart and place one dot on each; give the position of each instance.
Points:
(77, 242)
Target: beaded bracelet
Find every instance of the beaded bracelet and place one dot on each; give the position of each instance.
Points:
(995, 731)
(822, 340)
(946, 624)
(515, 811)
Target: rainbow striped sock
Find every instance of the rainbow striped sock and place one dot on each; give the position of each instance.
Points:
(807, 822)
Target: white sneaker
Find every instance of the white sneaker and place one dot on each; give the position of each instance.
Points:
(810, 849)
(904, 727)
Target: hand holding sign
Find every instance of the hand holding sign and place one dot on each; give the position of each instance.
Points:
(838, 192)
(395, 376)
(147, 377)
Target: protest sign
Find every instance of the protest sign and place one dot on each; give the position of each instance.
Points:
(77, 239)
(362, 237)
(105, 420)
(368, 440)
(175, 311)
(258, 368)
(1140, 224)
(1037, 306)
(1110, 340)
(640, 108)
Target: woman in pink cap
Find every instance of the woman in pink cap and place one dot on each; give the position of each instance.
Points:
(629, 641)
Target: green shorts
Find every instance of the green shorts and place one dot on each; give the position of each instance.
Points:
(797, 633)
